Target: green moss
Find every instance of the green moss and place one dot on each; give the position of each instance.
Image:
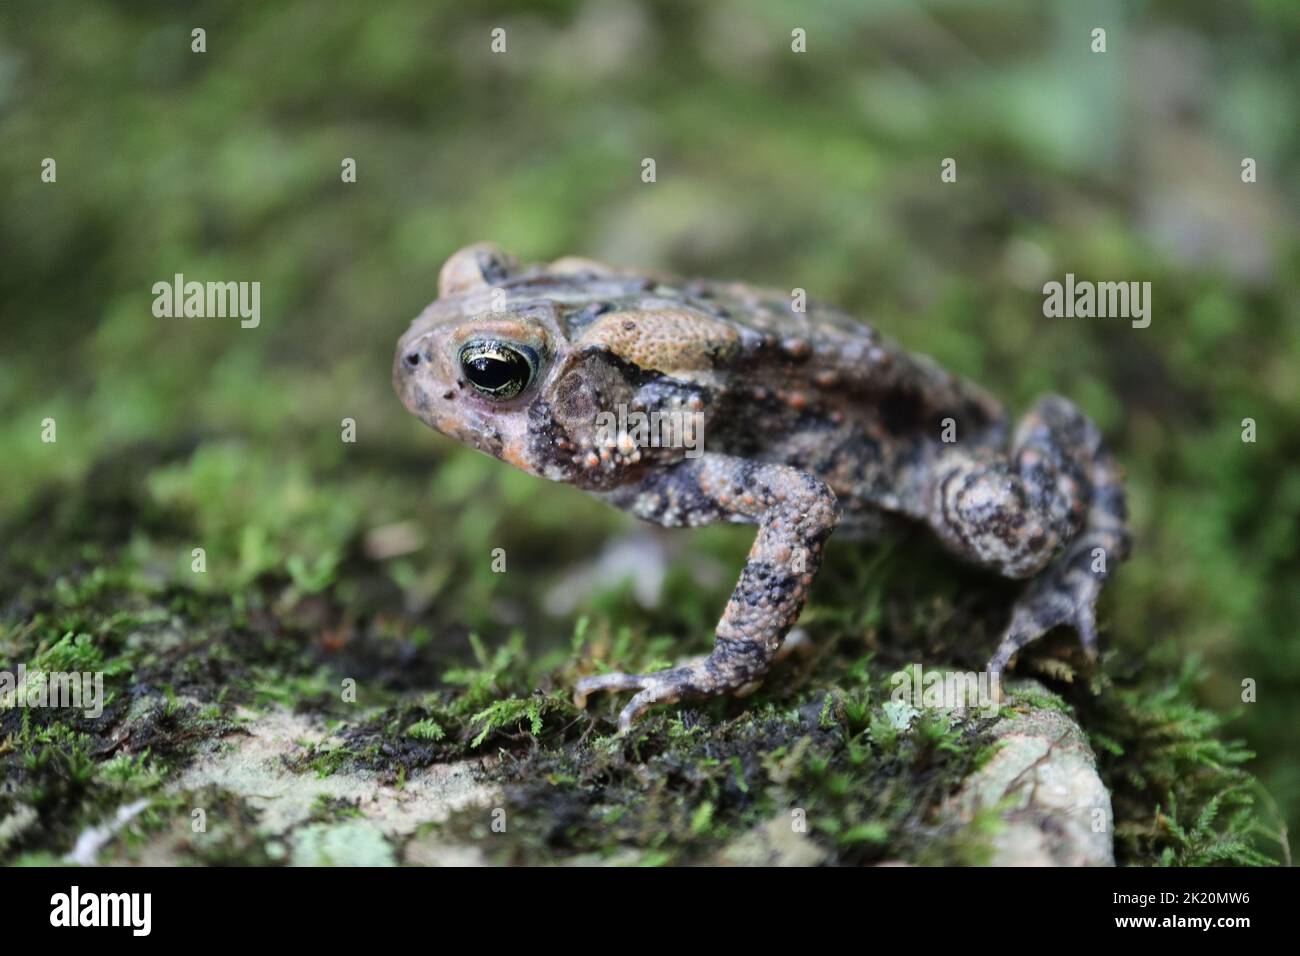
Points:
(326, 761)
(1181, 793)
(513, 712)
(426, 730)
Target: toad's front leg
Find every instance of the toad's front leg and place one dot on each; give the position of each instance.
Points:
(795, 513)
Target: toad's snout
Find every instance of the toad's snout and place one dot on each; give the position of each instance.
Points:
(411, 370)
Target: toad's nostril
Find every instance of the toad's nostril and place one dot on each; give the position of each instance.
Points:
(412, 359)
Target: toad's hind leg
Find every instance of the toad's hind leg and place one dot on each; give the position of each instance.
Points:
(1053, 511)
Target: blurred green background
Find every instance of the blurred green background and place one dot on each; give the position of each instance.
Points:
(818, 170)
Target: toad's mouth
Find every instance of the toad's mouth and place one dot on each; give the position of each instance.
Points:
(511, 449)
(490, 443)
(488, 439)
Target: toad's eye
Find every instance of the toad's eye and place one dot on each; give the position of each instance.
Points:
(498, 369)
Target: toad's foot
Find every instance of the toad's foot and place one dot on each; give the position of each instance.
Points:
(1064, 595)
(1066, 591)
(706, 678)
(700, 678)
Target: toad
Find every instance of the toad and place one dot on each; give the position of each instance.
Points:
(767, 409)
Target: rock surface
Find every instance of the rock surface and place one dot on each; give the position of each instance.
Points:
(1043, 782)
(1039, 790)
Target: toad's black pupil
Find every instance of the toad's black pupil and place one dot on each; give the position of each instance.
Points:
(496, 370)
(491, 373)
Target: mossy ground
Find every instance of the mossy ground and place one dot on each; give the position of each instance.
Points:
(187, 664)
(372, 561)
